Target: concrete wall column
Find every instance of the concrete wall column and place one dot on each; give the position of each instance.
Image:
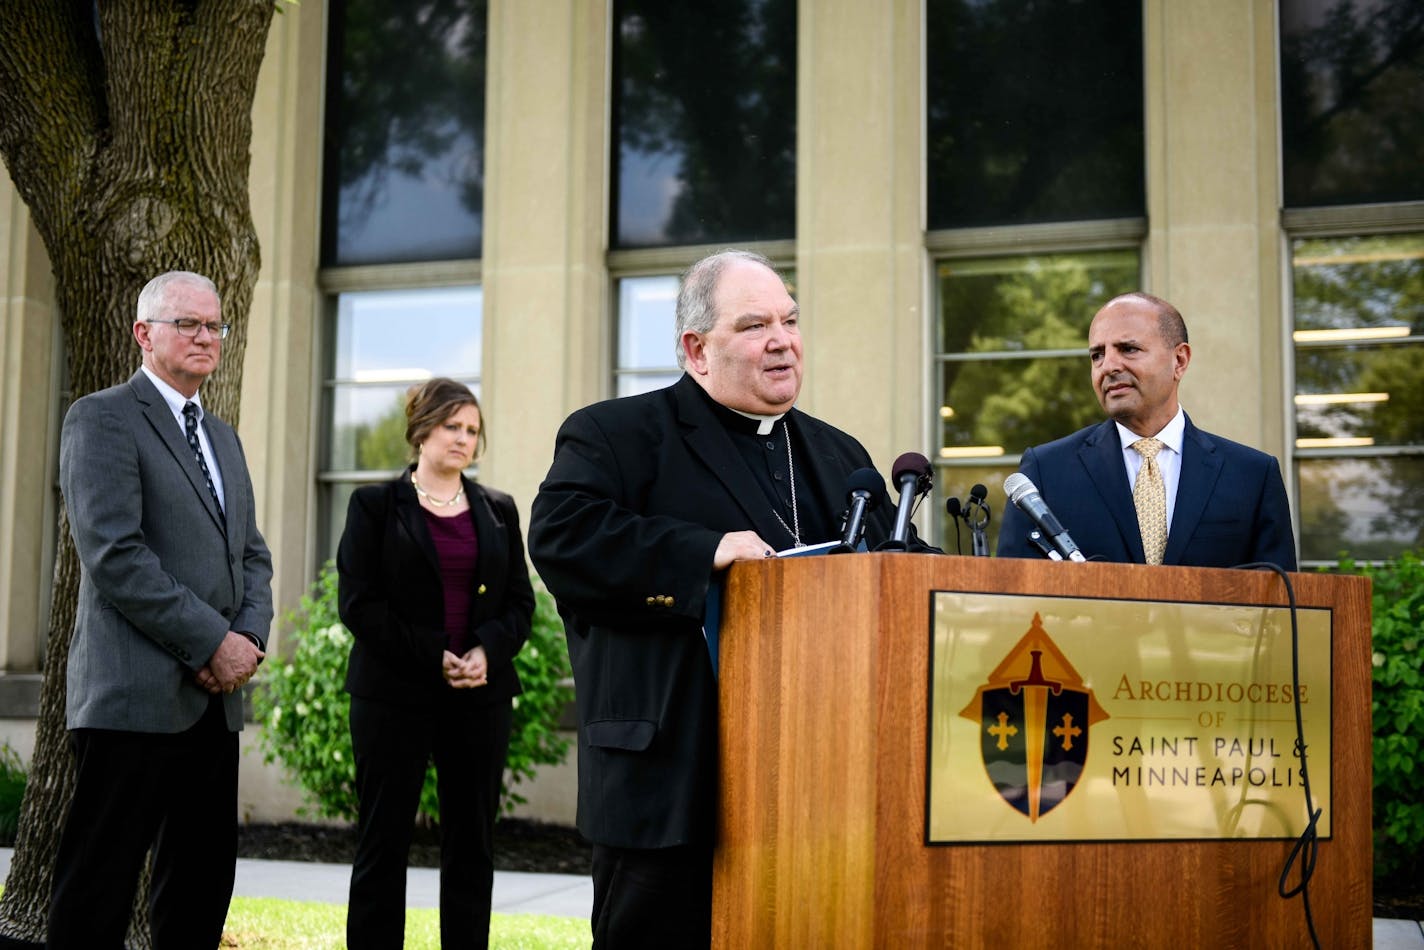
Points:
(546, 337)
(281, 381)
(861, 265)
(1214, 247)
(30, 369)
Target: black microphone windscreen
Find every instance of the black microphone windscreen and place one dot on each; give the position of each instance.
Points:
(977, 493)
(866, 480)
(952, 508)
(911, 463)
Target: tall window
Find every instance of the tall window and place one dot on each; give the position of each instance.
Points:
(405, 118)
(1359, 394)
(1012, 361)
(704, 115)
(402, 227)
(647, 352)
(704, 153)
(375, 360)
(1034, 111)
(1036, 196)
(1352, 80)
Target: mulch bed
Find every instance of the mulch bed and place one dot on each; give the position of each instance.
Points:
(519, 845)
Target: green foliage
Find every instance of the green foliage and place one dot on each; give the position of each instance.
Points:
(303, 709)
(12, 793)
(1398, 711)
(544, 672)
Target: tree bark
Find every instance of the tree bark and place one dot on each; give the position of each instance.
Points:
(126, 126)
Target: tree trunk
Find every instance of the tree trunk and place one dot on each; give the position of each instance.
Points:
(126, 127)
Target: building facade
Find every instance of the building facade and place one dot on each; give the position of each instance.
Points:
(505, 191)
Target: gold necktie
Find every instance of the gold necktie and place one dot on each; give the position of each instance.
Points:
(1150, 497)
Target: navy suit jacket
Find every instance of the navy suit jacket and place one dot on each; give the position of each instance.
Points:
(1231, 504)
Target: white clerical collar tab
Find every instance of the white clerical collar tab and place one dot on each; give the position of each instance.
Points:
(764, 422)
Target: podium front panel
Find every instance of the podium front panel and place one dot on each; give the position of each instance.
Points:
(824, 739)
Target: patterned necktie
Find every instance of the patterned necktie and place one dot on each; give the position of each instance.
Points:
(1150, 497)
(190, 429)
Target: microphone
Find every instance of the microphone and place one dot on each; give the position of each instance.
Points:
(955, 512)
(914, 476)
(1022, 493)
(863, 490)
(979, 539)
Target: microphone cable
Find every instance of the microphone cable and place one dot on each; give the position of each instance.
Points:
(1306, 846)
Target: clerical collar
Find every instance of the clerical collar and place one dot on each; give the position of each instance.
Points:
(738, 421)
(764, 423)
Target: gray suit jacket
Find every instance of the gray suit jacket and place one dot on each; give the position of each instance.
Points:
(161, 582)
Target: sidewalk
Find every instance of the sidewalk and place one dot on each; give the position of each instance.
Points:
(558, 895)
(515, 892)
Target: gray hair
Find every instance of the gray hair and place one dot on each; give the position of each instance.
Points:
(696, 306)
(154, 295)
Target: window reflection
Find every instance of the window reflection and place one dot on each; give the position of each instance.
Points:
(704, 122)
(385, 341)
(404, 177)
(435, 332)
(646, 316)
(1013, 334)
(1369, 508)
(1352, 79)
(1034, 111)
(1359, 394)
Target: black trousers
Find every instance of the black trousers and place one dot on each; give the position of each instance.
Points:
(654, 898)
(393, 745)
(176, 793)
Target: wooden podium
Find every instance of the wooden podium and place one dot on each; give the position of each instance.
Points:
(822, 842)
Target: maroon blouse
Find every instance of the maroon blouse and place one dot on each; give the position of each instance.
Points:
(458, 550)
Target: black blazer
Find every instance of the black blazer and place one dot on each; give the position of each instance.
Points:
(1231, 506)
(391, 595)
(623, 532)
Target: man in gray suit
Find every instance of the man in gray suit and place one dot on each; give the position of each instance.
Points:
(175, 602)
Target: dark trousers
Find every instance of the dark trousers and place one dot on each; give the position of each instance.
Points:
(654, 898)
(393, 745)
(176, 793)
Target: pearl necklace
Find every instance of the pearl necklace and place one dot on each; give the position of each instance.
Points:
(432, 500)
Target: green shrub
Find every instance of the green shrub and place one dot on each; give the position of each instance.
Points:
(302, 708)
(1397, 710)
(12, 793)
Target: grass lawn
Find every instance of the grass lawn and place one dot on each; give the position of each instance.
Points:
(271, 924)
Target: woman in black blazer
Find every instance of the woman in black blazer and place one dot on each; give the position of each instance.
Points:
(434, 588)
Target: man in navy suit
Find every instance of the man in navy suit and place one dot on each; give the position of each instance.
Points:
(1225, 502)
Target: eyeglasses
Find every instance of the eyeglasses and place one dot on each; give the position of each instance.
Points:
(190, 327)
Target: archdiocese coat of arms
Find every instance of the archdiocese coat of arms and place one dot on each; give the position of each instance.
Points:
(1034, 716)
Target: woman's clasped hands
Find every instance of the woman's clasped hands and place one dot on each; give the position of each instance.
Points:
(467, 671)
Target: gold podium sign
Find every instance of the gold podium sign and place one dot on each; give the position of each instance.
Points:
(1074, 719)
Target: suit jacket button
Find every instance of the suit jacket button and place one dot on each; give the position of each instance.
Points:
(481, 589)
(652, 601)
(667, 601)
